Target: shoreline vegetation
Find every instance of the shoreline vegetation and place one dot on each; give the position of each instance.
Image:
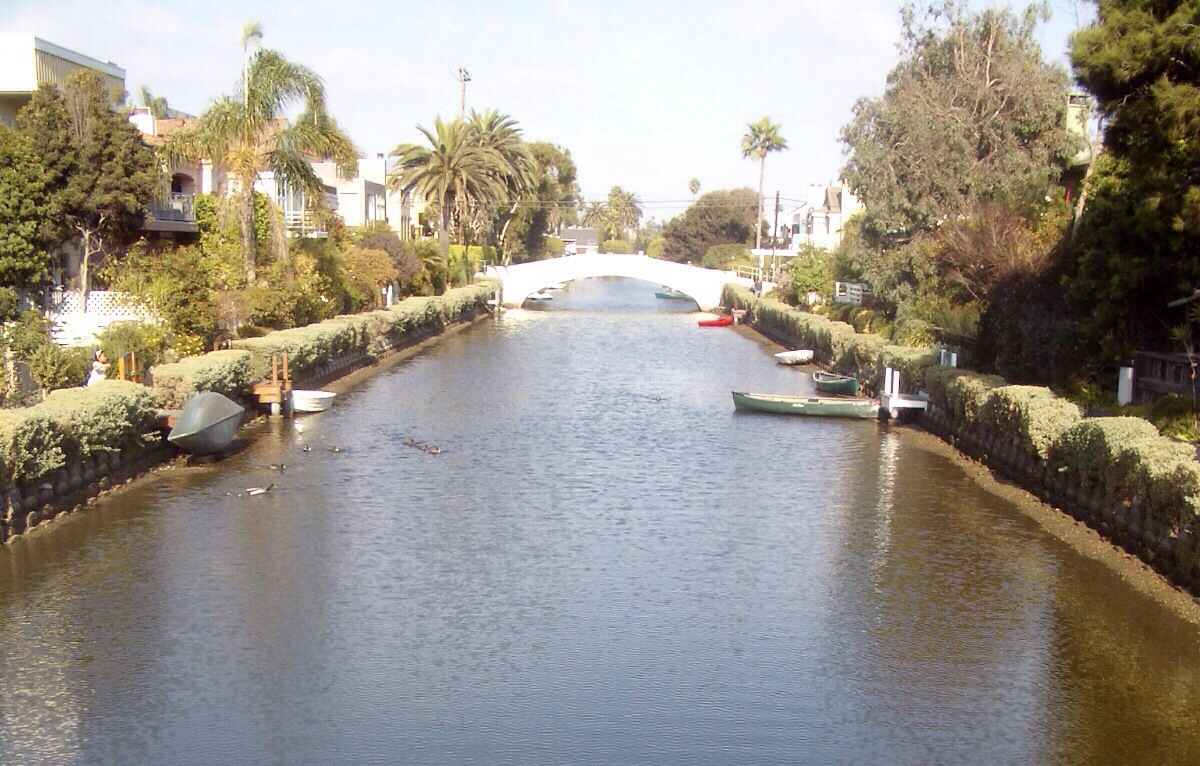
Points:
(1138, 489)
(57, 455)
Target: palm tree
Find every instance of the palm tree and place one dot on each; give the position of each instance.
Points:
(595, 215)
(625, 208)
(249, 134)
(517, 170)
(762, 139)
(694, 186)
(454, 170)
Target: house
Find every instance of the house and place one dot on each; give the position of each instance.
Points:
(28, 62)
(580, 240)
(819, 221)
(364, 199)
(175, 214)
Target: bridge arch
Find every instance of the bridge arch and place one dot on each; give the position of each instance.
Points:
(703, 285)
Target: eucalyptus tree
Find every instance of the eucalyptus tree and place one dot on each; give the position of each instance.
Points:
(248, 133)
(761, 139)
(449, 173)
(157, 105)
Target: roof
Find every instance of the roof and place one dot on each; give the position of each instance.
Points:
(580, 235)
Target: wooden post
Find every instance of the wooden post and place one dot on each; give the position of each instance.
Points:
(285, 371)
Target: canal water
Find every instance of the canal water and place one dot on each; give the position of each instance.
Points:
(605, 564)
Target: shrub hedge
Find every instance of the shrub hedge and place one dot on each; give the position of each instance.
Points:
(72, 424)
(1036, 415)
(226, 372)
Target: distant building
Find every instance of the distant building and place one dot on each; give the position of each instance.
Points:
(819, 221)
(579, 240)
(27, 62)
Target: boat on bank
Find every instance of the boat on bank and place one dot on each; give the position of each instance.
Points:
(832, 383)
(799, 356)
(206, 424)
(827, 407)
(721, 321)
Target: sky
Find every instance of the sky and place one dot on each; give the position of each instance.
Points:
(645, 94)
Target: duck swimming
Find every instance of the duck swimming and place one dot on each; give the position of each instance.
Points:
(435, 450)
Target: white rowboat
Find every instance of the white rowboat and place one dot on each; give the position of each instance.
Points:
(312, 401)
(800, 356)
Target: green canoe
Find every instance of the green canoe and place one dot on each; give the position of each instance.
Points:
(667, 293)
(804, 405)
(831, 383)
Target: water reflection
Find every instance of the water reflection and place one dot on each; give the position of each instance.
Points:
(606, 564)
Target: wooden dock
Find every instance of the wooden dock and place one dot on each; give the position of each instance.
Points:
(894, 404)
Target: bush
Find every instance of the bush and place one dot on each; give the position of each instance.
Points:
(53, 367)
(226, 372)
(148, 342)
(1033, 414)
(615, 246)
(723, 257)
(8, 304)
(960, 393)
(1133, 463)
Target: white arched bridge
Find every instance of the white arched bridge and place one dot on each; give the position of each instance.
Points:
(703, 285)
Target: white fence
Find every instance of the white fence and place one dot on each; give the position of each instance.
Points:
(71, 326)
(851, 292)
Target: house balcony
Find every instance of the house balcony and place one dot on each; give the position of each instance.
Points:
(304, 223)
(176, 213)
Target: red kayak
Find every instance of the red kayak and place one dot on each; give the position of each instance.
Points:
(722, 321)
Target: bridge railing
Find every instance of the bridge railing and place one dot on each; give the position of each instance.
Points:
(748, 272)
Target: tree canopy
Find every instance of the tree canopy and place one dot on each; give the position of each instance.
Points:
(971, 114)
(1140, 233)
(716, 218)
(23, 205)
(100, 174)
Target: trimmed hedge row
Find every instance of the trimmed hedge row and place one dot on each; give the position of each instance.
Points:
(1125, 459)
(72, 424)
(317, 344)
(226, 372)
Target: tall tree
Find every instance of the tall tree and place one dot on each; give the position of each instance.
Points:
(716, 218)
(972, 113)
(23, 205)
(111, 176)
(157, 105)
(449, 173)
(625, 209)
(248, 133)
(553, 200)
(516, 172)
(761, 139)
(1140, 233)
(694, 186)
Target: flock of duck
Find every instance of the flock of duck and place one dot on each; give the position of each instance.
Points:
(431, 449)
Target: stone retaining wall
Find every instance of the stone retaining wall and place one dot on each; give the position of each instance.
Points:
(73, 486)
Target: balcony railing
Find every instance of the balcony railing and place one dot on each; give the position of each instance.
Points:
(176, 207)
(304, 223)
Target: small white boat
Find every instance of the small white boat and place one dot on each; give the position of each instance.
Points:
(312, 401)
(800, 356)
(557, 286)
(540, 297)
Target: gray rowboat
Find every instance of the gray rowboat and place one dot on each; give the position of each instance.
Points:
(206, 424)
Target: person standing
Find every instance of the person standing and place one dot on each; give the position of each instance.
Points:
(99, 367)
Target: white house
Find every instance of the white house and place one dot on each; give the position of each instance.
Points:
(819, 221)
(27, 62)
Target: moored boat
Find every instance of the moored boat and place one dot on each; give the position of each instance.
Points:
(312, 401)
(799, 356)
(673, 294)
(721, 321)
(206, 424)
(832, 383)
(806, 405)
(540, 297)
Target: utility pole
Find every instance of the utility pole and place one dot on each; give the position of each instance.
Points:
(463, 78)
(775, 238)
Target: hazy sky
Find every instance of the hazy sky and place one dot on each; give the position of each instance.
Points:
(646, 95)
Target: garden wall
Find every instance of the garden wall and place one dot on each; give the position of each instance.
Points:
(1137, 488)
